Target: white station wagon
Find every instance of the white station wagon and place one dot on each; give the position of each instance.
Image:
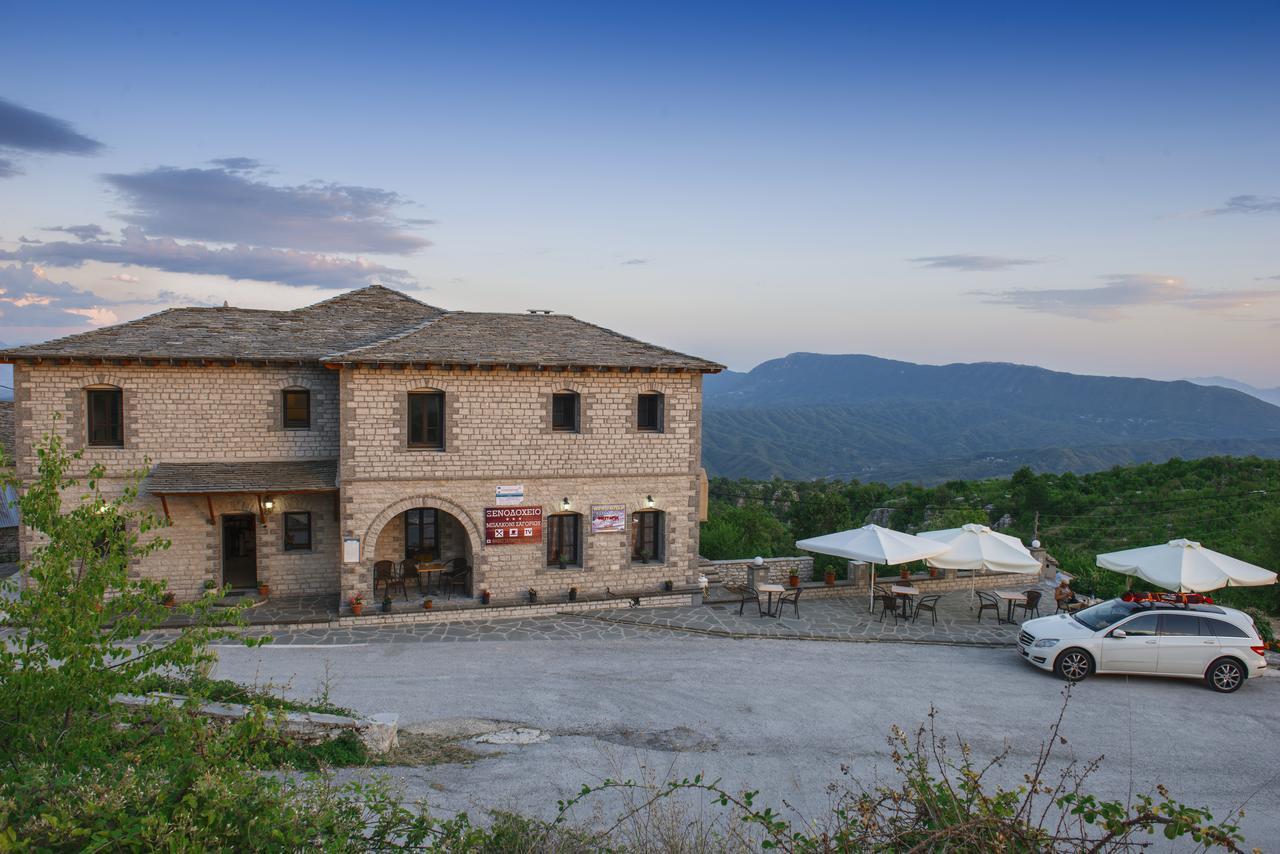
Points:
(1153, 638)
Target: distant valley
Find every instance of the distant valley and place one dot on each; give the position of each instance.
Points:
(852, 416)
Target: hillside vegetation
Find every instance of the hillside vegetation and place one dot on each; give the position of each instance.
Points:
(1231, 504)
(810, 415)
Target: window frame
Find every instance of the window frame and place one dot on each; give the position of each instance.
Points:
(284, 529)
(576, 400)
(416, 517)
(660, 412)
(556, 527)
(284, 408)
(659, 536)
(91, 393)
(425, 444)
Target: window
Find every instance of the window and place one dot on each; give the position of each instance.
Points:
(426, 420)
(1181, 625)
(106, 417)
(1144, 626)
(420, 526)
(297, 409)
(1221, 628)
(646, 536)
(563, 537)
(297, 532)
(649, 413)
(564, 412)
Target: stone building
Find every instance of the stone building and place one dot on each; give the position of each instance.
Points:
(298, 448)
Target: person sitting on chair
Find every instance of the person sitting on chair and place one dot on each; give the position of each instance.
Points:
(1064, 595)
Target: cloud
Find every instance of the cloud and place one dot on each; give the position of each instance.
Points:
(971, 263)
(80, 232)
(125, 277)
(22, 238)
(226, 205)
(8, 169)
(28, 297)
(1247, 204)
(27, 130)
(237, 262)
(237, 164)
(635, 262)
(1124, 291)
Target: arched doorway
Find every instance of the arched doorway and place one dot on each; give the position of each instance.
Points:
(433, 538)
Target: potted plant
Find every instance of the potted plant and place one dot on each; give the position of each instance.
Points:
(794, 578)
(904, 573)
(562, 559)
(168, 600)
(357, 604)
(210, 584)
(573, 594)
(533, 595)
(386, 603)
(426, 604)
(668, 585)
(646, 556)
(264, 590)
(933, 572)
(484, 597)
(830, 578)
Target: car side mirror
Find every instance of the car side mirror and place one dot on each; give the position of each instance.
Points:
(1120, 633)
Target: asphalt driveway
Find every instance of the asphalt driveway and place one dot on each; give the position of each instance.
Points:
(781, 716)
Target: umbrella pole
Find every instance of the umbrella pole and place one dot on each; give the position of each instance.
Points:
(871, 588)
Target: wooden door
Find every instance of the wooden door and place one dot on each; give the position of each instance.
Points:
(240, 550)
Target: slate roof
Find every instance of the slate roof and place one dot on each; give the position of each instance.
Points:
(369, 325)
(303, 334)
(490, 338)
(6, 429)
(265, 476)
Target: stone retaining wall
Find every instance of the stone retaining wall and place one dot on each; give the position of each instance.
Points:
(733, 573)
(499, 612)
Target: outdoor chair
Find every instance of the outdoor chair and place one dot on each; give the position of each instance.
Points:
(384, 573)
(409, 569)
(885, 599)
(458, 575)
(987, 602)
(792, 595)
(749, 594)
(928, 603)
(1031, 605)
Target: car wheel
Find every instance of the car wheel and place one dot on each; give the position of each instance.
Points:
(1225, 675)
(1073, 665)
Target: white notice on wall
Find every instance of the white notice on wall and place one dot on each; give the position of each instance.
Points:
(351, 550)
(509, 495)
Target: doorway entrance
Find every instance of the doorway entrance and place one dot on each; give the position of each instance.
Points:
(240, 550)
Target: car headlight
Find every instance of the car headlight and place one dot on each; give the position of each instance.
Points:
(1045, 643)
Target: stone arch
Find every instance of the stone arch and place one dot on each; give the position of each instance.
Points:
(370, 539)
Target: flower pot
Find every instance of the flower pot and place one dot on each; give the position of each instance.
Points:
(573, 594)
(795, 580)
(933, 572)
(386, 605)
(426, 604)
(904, 574)
(668, 585)
(830, 578)
(357, 608)
(264, 590)
(484, 597)
(533, 596)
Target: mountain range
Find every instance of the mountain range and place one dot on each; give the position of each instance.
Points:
(1270, 395)
(808, 415)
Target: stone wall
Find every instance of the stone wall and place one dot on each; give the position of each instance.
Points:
(8, 544)
(733, 573)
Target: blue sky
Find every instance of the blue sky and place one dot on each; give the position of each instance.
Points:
(1080, 187)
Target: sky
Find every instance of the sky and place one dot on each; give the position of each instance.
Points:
(1088, 188)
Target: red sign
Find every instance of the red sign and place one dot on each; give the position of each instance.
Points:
(512, 525)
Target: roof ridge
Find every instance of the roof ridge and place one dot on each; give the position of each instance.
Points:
(417, 327)
(617, 334)
(372, 287)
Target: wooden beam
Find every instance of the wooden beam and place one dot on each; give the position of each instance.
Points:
(165, 504)
(262, 513)
(209, 501)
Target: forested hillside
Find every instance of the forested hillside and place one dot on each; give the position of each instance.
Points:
(809, 415)
(1231, 504)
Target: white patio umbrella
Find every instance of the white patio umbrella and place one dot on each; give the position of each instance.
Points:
(978, 547)
(874, 545)
(1186, 567)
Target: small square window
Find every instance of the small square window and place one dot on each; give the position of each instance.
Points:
(649, 413)
(564, 412)
(297, 532)
(297, 409)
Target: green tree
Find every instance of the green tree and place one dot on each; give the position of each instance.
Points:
(740, 532)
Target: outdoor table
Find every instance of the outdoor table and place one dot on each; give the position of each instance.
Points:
(1010, 598)
(907, 594)
(771, 589)
(425, 570)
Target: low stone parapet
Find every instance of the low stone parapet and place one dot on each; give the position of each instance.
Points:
(734, 573)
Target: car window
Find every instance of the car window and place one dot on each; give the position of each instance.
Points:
(1141, 626)
(1104, 614)
(1221, 628)
(1183, 625)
